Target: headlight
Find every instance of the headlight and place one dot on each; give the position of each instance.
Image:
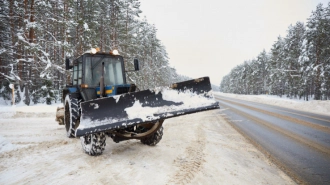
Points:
(115, 52)
(93, 50)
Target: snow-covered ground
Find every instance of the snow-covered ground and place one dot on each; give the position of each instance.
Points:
(315, 106)
(200, 148)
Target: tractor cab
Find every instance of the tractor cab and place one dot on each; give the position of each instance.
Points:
(97, 74)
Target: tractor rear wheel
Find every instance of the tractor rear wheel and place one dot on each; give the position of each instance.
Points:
(154, 138)
(93, 144)
(71, 115)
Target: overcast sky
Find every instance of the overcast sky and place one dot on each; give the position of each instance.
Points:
(209, 38)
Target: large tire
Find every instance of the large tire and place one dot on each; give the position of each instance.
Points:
(153, 139)
(71, 115)
(93, 144)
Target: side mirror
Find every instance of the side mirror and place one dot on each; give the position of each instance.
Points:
(67, 64)
(136, 64)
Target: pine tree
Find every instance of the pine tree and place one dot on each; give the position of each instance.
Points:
(292, 52)
(317, 36)
(326, 73)
(276, 70)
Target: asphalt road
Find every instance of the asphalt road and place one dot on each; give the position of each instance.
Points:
(298, 142)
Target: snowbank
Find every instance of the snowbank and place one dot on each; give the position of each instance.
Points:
(315, 106)
(5, 145)
(21, 110)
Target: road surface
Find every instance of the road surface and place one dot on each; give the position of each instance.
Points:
(298, 142)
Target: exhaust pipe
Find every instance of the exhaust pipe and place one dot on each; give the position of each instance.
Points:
(102, 81)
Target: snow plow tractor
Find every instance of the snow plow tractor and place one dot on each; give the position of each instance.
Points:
(98, 103)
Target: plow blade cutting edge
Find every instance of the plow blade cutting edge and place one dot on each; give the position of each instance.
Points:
(122, 111)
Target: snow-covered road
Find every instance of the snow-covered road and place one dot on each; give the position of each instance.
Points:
(200, 148)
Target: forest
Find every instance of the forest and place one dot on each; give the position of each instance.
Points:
(37, 35)
(297, 65)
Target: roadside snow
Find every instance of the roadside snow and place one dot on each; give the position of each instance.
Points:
(5, 145)
(39, 110)
(200, 148)
(32, 108)
(315, 106)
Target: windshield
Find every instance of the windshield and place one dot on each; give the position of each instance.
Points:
(113, 73)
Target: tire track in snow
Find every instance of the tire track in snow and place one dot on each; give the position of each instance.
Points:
(192, 160)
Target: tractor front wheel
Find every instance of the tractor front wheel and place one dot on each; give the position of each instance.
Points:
(93, 144)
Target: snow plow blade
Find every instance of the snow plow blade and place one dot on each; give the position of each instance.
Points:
(122, 111)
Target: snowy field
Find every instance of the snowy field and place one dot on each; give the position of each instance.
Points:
(200, 148)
